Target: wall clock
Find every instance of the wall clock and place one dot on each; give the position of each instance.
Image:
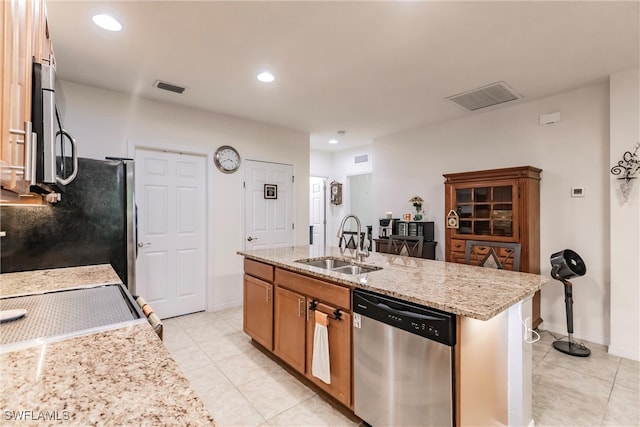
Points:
(453, 221)
(336, 193)
(227, 159)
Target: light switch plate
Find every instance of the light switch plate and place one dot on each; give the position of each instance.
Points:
(547, 119)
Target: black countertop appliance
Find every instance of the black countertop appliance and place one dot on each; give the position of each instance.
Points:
(94, 223)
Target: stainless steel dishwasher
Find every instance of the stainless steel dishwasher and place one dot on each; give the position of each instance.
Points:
(403, 362)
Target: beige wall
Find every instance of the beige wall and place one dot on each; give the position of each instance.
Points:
(573, 152)
(107, 123)
(625, 219)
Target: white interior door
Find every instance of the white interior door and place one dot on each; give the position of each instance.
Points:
(268, 210)
(171, 195)
(317, 218)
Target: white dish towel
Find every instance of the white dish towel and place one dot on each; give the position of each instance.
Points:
(320, 367)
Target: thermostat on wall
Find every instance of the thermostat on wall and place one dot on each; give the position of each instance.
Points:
(547, 119)
(577, 191)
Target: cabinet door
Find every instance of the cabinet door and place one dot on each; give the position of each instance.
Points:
(289, 328)
(339, 332)
(487, 211)
(25, 36)
(258, 310)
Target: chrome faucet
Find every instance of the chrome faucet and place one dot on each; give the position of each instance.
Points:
(361, 252)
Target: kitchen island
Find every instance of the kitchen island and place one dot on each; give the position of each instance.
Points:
(493, 371)
(120, 376)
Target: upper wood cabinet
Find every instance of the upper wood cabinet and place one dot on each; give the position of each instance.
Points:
(25, 38)
(498, 205)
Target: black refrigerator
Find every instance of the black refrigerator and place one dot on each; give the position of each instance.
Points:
(93, 223)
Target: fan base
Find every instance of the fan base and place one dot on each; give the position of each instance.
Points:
(571, 348)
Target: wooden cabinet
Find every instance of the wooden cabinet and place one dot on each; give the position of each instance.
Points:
(498, 205)
(25, 38)
(339, 332)
(279, 315)
(258, 316)
(296, 298)
(258, 302)
(290, 328)
(329, 298)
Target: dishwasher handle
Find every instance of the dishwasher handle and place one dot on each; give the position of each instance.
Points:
(405, 313)
(399, 312)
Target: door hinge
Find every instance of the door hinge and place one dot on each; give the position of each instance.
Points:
(293, 226)
(293, 179)
(244, 184)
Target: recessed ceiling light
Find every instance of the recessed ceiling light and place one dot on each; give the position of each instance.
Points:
(266, 77)
(107, 22)
(333, 141)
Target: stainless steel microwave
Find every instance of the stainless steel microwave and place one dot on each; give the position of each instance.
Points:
(56, 159)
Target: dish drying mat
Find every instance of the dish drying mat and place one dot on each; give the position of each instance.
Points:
(62, 312)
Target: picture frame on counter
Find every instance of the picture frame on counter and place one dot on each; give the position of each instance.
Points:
(270, 191)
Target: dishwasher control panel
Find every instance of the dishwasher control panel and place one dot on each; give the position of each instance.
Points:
(427, 322)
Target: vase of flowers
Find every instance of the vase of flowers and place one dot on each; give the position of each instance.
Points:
(417, 202)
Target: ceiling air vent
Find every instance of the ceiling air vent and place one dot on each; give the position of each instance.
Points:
(168, 86)
(363, 158)
(486, 96)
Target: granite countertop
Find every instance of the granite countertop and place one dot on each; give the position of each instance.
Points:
(474, 292)
(39, 281)
(122, 376)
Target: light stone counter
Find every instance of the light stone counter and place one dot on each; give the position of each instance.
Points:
(123, 376)
(474, 292)
(39, 281)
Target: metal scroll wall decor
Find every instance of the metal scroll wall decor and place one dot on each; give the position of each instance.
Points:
(627, 168)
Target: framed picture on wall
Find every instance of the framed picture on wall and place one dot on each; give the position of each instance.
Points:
(270, 191)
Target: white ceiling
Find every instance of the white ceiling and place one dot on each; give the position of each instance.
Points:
(369, 68)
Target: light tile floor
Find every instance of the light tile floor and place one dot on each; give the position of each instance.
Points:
(243, 387)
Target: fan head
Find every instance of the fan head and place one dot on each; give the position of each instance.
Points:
(567, 264)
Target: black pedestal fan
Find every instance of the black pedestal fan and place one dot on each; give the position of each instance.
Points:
(565, 265)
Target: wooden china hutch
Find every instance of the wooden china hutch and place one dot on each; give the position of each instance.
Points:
(498, 205)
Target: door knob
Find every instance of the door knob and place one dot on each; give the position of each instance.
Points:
(142, 245)
(251, 238)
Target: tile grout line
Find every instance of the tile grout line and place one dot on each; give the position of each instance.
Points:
(613, 383)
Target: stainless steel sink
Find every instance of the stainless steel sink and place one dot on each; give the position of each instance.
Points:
(339, 265)
(356, 269)
(326, 263)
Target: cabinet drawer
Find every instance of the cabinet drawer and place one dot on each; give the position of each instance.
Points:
(258, 269)
(483, 250)
(337, 295)
(457, 245)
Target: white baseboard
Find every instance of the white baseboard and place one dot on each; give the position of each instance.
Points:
(226, 304)
(562, 330)
(624, 352)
